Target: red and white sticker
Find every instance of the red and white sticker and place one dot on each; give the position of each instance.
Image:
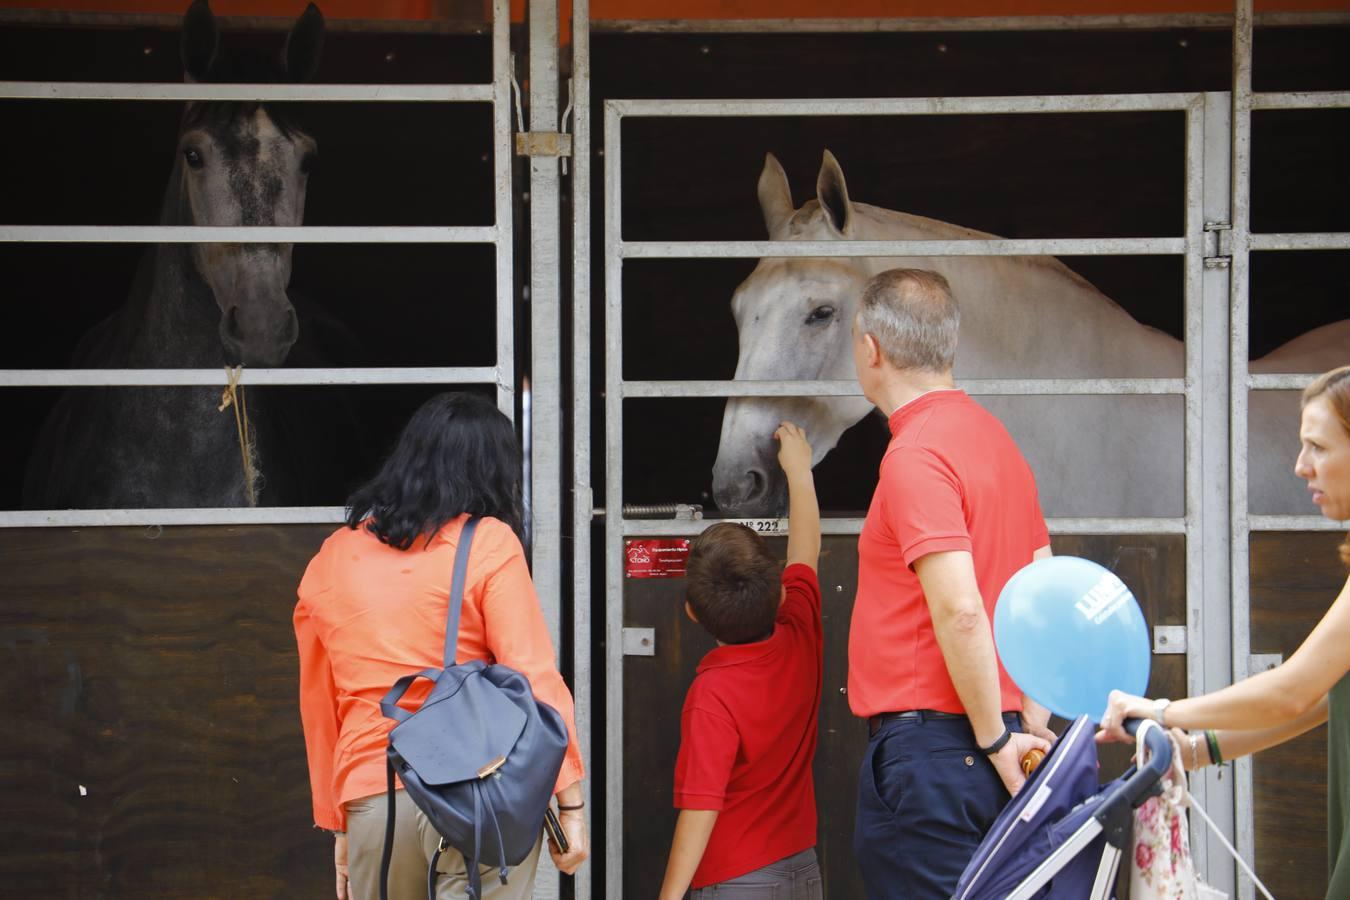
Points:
(665, 558)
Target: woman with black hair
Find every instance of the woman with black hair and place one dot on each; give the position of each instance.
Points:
(373, 608)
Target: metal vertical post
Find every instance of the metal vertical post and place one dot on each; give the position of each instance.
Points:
(583, 502)
(502, 198)
(1239, 274)
(613, 509)
(1209, 640)
(545, 334)
(545, 322)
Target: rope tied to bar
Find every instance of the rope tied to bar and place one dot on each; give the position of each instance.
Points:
(233, 396)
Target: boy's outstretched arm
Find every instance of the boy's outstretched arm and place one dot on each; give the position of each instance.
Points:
(692, 831)
(794, 455)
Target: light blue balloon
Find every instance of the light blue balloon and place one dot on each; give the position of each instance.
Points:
(1069, 632)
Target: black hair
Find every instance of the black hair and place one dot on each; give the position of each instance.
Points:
(457, 454)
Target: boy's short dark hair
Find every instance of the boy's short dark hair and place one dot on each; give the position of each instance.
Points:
(734, 583)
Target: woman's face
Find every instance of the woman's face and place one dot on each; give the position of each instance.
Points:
(1324, 459)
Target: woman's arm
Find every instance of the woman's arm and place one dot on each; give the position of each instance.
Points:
(319, 719)
(1266, 701)
(1234, 744)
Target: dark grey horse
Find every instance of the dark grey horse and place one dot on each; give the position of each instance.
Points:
(193, 305)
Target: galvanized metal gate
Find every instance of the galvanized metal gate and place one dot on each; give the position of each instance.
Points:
(1215, 246)
(501, 234)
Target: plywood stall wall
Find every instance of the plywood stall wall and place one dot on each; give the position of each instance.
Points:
(151, 744)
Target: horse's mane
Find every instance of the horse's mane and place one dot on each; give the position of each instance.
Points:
(949, 231)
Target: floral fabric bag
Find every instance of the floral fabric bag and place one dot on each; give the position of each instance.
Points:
(1161, 866)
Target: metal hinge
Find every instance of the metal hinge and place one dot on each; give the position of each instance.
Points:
(1169, 639)
(639, 642)
(1218, 245)
(543, 143)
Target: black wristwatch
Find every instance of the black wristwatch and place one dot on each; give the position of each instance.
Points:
(998, 744)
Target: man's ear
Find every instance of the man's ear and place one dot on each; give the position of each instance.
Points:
(873, 350)
(782, 593)
(689, 611)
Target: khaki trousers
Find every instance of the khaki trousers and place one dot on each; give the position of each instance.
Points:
(415, 842)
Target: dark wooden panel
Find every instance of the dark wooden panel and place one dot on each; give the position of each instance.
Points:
(1294, 579)
(151, 743)
(654, 688)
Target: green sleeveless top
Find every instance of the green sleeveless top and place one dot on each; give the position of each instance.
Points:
(1338, 789)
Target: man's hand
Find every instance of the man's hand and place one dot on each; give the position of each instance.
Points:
(578, 842)
(1008, 761)
(1036, 719)
(340, 864)
(794, 453)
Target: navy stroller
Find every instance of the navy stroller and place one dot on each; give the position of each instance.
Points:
(1062, 836)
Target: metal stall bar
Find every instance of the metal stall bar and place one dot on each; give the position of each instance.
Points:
(209, 377)
(1301, 99)
(847, 525)
(247, 234)
(973, 386)
(582, 495)
(1298, 241)
(500, 234)
(907, 106)
(1191, 245)
(1239, 531)
(299, 93)
(997, 247)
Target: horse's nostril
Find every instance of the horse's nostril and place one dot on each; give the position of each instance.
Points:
(232, 323)
(758, 483)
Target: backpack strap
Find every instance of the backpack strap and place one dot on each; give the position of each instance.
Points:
(388, 854)
(457, 588)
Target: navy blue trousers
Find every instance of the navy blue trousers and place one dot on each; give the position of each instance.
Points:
(926, 798)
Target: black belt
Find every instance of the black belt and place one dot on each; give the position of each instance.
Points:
(875, 722)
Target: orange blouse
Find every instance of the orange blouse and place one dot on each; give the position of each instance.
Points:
(370, 614)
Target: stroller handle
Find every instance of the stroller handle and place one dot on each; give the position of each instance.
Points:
(1147, 779)
(1116, 811)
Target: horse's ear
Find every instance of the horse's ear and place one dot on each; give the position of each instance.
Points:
(201, 40)
(304, 44)
(832, 194)
(775, 196)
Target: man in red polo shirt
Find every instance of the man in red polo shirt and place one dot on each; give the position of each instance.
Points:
(954, 515)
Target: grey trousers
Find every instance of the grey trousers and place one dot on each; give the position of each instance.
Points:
(795, 877)
(414, 843)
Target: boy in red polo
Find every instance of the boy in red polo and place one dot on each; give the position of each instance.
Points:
(748, 733)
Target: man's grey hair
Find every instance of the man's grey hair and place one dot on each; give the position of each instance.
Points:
(914, 318)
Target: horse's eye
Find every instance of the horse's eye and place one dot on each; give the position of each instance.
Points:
(820, 314)
(194, 159)
(307, 162)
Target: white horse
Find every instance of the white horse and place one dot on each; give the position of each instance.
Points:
(1021, 317)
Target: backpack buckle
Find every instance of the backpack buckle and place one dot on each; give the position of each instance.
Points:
(492, 767)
